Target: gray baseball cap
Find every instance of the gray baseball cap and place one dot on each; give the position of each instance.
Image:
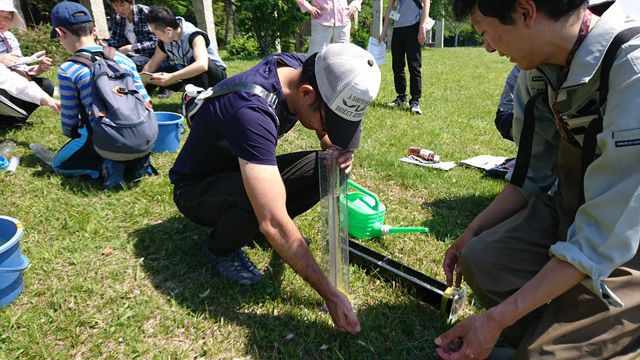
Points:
(348, 80)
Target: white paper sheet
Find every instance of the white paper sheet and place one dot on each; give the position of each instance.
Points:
(484, 162)
(377, 49)
(446, 165)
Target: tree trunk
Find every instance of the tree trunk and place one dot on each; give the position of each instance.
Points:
(229, 11)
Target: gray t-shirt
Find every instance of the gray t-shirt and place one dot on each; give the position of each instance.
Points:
(409, 13)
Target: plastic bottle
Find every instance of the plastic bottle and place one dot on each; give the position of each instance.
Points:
(13, 165)
(42, 153)
(424, 154)
(7, 147)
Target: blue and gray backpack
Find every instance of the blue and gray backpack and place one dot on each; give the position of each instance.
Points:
(123, 125)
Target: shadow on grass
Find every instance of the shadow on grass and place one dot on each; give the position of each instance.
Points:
(176, 267)
(451, 216)
(8, 124)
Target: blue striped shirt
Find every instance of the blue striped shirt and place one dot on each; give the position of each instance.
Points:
(74, 78)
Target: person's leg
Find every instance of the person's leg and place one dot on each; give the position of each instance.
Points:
(77, 157)
(207, 79)
(341, 34)
(299, 172)
(578, 325)
(320, 36)
(398, 50)
(140, 61)
(219, 202)
(414, 61)
(501, 260)
(45, 84)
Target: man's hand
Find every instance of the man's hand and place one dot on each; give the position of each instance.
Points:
(422, 37)
(450, 262)
(10, 59)
(344, 159)
(162, 79)
(472, 338)
(342, 313)
(44, 65)
(351, 10)
(314, 11)
(126, 49)
(50, 102)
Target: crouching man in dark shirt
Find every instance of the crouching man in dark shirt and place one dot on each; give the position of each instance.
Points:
(228, 176)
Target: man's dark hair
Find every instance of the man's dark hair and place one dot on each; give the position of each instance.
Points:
(125, 1)
(308, 76)
(162, 17)
(81, 29)
(503, 9)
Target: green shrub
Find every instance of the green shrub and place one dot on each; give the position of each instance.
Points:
(38, 38)
(243, 46)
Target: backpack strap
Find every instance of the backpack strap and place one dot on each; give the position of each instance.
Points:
(526, 142)
(595, 127)
(88, 57)
(418, 4)
(193, 104)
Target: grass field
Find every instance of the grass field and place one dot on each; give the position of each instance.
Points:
(119, 274)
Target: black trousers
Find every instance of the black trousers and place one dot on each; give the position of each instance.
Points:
(212, 76)
(28, 107)
(404, 43)
(220, 201)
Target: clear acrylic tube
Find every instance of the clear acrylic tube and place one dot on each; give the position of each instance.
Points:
(335, 229)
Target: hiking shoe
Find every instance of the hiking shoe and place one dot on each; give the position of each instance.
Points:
(415, 108)
(137, 169)
(112, 174)
(236, 267)
(164, 93)
(399, 102)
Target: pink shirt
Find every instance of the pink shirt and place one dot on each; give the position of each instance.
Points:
(332, 12)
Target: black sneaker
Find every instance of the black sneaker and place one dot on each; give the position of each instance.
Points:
(399, 102)
(236, 267)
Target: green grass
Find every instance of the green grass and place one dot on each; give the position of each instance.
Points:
(154, 296)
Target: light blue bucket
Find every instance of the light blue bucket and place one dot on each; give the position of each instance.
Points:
(170, 128)
(12, 262)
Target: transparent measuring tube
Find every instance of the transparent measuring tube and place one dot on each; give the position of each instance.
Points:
(335, 229)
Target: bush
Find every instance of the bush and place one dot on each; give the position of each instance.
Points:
(38, 38)
(243, 46)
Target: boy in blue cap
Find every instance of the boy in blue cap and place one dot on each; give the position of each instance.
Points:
(73, 26)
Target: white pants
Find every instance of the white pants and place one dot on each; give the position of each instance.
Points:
(322, 35)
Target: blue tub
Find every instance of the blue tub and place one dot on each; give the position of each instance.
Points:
(170, 128)
(12, 262)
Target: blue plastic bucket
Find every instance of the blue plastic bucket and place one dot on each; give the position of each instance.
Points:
(12, 262)
(170, 128)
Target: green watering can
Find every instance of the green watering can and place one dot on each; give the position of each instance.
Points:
(366, 215)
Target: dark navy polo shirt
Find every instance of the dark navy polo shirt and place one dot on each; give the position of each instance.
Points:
(236, 125)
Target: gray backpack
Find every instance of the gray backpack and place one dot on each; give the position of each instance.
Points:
(124, 125)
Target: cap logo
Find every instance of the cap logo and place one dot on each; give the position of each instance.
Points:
(352, 108)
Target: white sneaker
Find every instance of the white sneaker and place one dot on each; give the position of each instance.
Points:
(415, 108)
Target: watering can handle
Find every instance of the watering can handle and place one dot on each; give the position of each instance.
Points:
(24, 265)
(357, 186)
